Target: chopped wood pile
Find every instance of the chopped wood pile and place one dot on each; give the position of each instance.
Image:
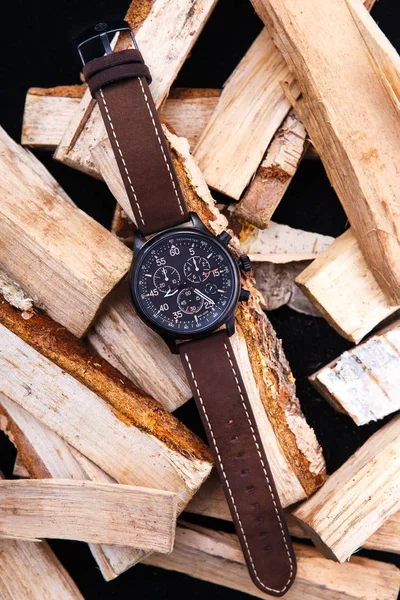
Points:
(87, 390)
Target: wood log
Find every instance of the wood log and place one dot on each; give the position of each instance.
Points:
(46, 455)
(165, 31)
(251, 108)
(350, 118)
(358, 498)
(296, 459)
(101, 513)
(48, 376)
(216, 557)
(275, 173)
(42, 243)
(31, 571)
(364, 382)
(48, 112)
(344, 290)
(210, 501)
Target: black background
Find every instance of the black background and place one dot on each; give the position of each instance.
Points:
(37, 49)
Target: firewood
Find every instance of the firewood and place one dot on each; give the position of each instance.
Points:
(350, 118)
(275, 173)
(48, 112)
(216, 557)
(358, 498)
(42, 244)
(20, 471)
(364, 382)
(251, 109)
(344, 290)
(71, 389)
(298, 467)
(46, 455)
(210, 501)
(165, 31)
(31, 571)
(102, 513)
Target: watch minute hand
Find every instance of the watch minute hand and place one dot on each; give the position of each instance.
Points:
(204, 296)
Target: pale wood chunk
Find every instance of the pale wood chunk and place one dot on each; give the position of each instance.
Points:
(165, 31)
(216, 557)
(251, 108)
(42, 244)
(88, 511)
(30, 571)
(344, 290)
(351, 119)
(364, 382)
(295, 456)
(20, 469)
(275, 173)
(358, 498)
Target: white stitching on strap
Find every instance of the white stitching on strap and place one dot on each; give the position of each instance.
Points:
(162, 149)
(122, 158)
(226, 479)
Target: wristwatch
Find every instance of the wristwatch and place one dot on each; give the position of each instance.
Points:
(185, 284)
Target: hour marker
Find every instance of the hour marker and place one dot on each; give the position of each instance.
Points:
(196, 319)
(209, 256)
(147, 275)
(221, 291)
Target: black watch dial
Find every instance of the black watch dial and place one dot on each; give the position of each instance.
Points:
(185, 282)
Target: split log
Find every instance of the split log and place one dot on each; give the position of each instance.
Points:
(165, 31)
(42, 243)
(46, 455)
(96, 409)
(350, 118)
(364, 382)
(344, 290)
(295, 456)
(275, 173)
(48, 112)
(20, 471)
(101, 513)
(251, 109)
(210, 501)
(216, 557)
(30, 571)
(358, 498)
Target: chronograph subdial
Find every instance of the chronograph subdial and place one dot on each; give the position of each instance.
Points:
(196, 269)
(190, 301)
(166, 279)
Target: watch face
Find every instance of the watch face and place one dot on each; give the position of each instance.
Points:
(185, 282)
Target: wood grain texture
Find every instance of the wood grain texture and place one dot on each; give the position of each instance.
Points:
(88, 511)
(344, 290)
(251, 108)
(351, 119)
(165, 35)
(358, 498)
(294, 454)
(216, 557)
(42, 245)
(364, 382)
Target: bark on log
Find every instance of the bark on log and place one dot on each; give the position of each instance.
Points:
(165, 32)
(48, 112)
(42, 243)
(358, 498)
(101, 513)
(344, 290)
(275, 173)
(216, 557)
(293, 451)
(350, 118)
(364, 382)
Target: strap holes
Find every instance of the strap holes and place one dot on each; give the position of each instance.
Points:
(255, 505)
(263, 533)
(244, 472)
(234, 439)
(229, 423)
(268, 548)
(260, 520)
(250, 489)
(240, 454)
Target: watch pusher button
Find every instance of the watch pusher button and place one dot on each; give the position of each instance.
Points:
(244, 263)
(244, 295)
(224, 238)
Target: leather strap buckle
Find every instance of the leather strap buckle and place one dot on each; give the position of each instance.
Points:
(97, 40)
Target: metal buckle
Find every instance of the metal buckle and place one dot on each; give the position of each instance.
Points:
(96, 41)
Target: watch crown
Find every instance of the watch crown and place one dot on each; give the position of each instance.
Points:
(224, 238)
(244, 263)
(244, 295)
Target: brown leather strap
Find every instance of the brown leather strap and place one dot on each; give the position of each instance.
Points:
(229, 422)
(119, 83)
